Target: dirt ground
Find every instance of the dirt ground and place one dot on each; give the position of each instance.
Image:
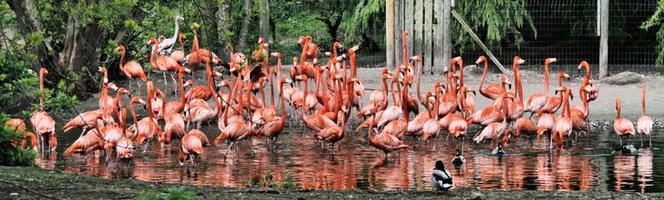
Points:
(35, 183)
(602, 109)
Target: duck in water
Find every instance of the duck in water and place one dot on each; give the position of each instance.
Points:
(441, 179)
(458, 159)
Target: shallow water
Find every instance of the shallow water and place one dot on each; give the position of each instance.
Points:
(298, 158)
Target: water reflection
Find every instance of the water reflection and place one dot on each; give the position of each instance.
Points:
(299, 159)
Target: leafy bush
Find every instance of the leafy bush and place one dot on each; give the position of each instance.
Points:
(173, 193)
(11, 155)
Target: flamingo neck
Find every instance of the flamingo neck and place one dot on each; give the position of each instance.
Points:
(353, 66)
(41, 91)
(181, 88)
(153, 56)
(132, 110)
(419, 77)
(177, 29)
(282, 102)
(546, 79)
(484, 72)
(643, 101)
(194, 44)
(122, 58)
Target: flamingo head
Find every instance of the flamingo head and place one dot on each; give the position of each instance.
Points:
(416, 58)
(112, 86)
(506, 81)
(182, 36)
(120, 48)
(550, 60)
(138, 101)
(178, 17)
(338, 45)
(188, 83)
(302, 40)
(43, 70)
(124, 91)
(518, 60)
(480, 60)
(275, 54)
(152, 41)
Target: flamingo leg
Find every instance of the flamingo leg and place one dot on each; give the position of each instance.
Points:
(251, 146)
(228, 149)
(165, 83)
(641, 137)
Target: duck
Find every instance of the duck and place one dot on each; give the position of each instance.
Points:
(441, 179)
(458, 159)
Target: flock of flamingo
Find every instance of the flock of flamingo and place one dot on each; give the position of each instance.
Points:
(241, 111)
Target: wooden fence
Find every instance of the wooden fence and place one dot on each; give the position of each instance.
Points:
(427, 24)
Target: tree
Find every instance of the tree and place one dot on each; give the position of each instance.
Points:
(653, 21)
(244, 31)
(265, 20)
(330, 12)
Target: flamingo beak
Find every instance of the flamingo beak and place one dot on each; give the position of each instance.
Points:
(479, 60)
(521, 61)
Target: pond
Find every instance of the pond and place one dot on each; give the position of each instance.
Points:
(298, 160)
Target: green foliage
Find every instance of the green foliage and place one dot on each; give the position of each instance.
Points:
(494, 21)
(172, 194)
(653, 21)
(10, 155)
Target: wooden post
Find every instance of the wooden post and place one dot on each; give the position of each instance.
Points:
(398, 27)
(389, 32)
(417, 30)
(442, 48)
(604, 39)
(264, 20)
(427, 56)
(409, 24)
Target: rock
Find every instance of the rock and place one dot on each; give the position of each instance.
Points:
(477, 196)
(623, 78)
(472, 69)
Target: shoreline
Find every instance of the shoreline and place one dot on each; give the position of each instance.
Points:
(44, 184)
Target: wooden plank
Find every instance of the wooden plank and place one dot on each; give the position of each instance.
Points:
(604, 39)
(409, 24)
(438, 62)
(427, 36)
(389, 32)
(472, 34)
(398, 17)
(417, 30)
(447, 42)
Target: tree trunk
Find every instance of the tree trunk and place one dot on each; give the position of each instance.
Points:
(244, 31)
(265, 20)
(27, 17)
(223, 25)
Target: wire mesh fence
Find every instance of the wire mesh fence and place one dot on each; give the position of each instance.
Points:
(567, 30)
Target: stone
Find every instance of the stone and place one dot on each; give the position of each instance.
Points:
(623, 78)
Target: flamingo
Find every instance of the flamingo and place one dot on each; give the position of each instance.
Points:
(515, 110)
(644, 123)
(41, 121)
(563, 125)
(170, 42)
(553, 103)
(385, 142)
(469, 102)
(18, 126)
(178, 55)
(333, 134)
(177, 106)
(431, 127)
(536, 101)
(274, 127)
(545, 122)
(162, 63)
(492, 113)
(85, 120)
(495, 129)
(148, 127)
(192, 146)
(491, 91)
(586, 85)
(236, 131)
(525, 126)
(132, 69)
(457, 124)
